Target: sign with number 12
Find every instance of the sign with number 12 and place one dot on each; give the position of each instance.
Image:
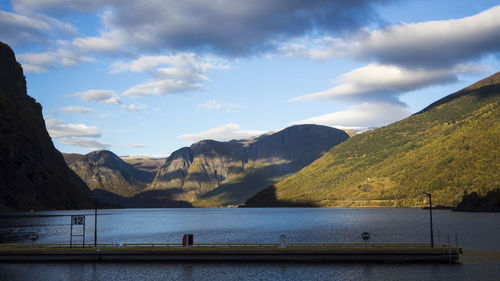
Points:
(78, 220)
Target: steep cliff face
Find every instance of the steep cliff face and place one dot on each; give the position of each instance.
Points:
(33, 174)
(104, 170)
(213, 173)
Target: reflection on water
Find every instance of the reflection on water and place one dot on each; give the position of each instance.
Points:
(477, 235)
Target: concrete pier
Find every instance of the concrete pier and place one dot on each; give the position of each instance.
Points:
(233, 252)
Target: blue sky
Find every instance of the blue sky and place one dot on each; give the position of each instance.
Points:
(148, 77)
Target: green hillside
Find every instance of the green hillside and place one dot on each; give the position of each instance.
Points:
(450, 147)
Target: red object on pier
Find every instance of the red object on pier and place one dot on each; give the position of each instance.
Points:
(187, 240)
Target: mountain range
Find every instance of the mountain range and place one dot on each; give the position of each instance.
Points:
(448, 148)
(208, 173)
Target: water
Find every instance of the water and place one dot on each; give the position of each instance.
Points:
(477, 234)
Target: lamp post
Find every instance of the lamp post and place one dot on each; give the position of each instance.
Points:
(95, 223)
(430, 215)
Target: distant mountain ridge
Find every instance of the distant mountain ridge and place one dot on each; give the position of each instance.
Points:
(33, 175)
(104, 170)
(144, 163)
(208, 173)
(448, 148)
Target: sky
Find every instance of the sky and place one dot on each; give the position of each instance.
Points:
(149, 77)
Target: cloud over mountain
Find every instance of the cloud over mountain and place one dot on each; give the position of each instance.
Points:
(223, 133)
(361, 116)
(386, 82)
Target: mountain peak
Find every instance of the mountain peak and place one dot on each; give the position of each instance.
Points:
(12, 81)
(490, 80)
(485, 87)
(230, 172)
(104, 170)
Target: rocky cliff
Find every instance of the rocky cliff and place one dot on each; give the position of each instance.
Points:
(212, 173)
(33, 174)
(104, 170)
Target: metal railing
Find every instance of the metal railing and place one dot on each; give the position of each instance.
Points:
(446, 247)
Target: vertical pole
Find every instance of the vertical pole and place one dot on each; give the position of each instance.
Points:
(95, 225)
(430, 215)
(71, 235)
(83, 243)
(430, 212)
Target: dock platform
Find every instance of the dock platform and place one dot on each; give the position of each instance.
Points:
(294, 252)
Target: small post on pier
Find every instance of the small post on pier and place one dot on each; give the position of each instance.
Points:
(430, 214)
(282, 241)
(95, 224)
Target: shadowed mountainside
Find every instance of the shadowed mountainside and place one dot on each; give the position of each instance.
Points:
(448, 148)
(211, 173)
(475, 203)
(33, 174)
(267, 198)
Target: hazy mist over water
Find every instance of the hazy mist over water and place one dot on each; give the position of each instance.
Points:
(477, 234)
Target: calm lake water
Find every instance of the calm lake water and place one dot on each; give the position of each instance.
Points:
(478, 235)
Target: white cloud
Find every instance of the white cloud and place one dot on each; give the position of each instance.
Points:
(137, 145)
(386, 82)
(59, 6)
(162, 87)
(42, 62)
(58, 129)
(223, 133)
(214, 105)
(77, 109)
(178, 60)
(108, 43)
(83, 142)
(178, 73)
(322, 48)
(363, 115)
(22, 22)
(135, 108)
(75, 134)
(431, 44)
(22, 29)
(99, 96)
(224, 26)
(435, 43)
